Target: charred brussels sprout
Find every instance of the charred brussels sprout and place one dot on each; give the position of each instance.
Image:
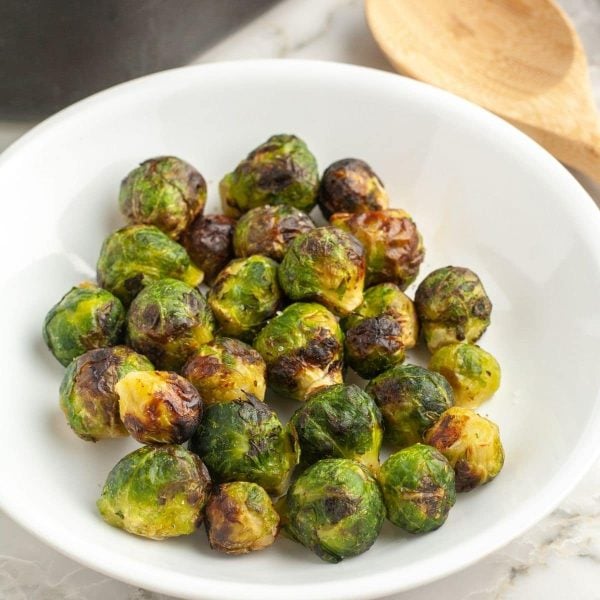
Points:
(164, 191)
(244, 440)
(280, 171)
(225, 369)
(268, 230)
(452, 306)
(245, 295)
(240, 518)
(168, 321)
(87, 392)
(134, 256)
(156, 492)
(418, 488)
(85, 318)
(340, 421)
(411, 399)
(303, 349)
(471, 444)
(326, 265)
(473, 373)
(351, 186)
(335, 509)
(392, 242)
(158, 407)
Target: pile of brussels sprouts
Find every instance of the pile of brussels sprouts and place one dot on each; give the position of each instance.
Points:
(290, 307)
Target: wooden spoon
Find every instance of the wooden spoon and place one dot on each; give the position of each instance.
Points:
(521, 59)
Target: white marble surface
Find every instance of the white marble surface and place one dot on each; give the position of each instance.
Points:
(557, 559)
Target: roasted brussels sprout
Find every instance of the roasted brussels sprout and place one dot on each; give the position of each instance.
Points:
(156, 492)
(350, 186)
(168, 321)
(245, 295)
(86, 317)
(240, 518)
(280, 171)
(209, 242)
(452, 306)
(418, 488)
(226, 368)
(164, 191)
(380, 330)
(134, 256)
(392, 242)
(471, 444)
(303, 349)
(335, 509)
(340, 421)
(410, 399)
(244, 440)
(325, 265)
(158, 407)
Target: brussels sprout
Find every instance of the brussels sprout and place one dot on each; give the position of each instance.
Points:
(240, 518)
(280, 171)
(418, 488)
(410, 399)
(473, 373)
(158, 407)
(209, 242)
(303, 349)
(350, 186)
(326, 265)
(225, 369)
(452, 307)
(244, 440)
(156, 492)
(335, 509)
(471, 444)
(86, 317)
(245, 295)
(168, 321)
(380, 330)
(340, 421)
(134, 256)
(164, 191)
(392, 242)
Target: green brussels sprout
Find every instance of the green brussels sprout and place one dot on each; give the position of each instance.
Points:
(245, 295)
(244, 440)
(134, 256)
(168, 321)
(304, 350)
(156, 492)
(225, 369)
(340, 421)
(473, 373)
(418, 488)
(392, 243)
(166, 192)
(380, 330)
(326, 265)
(240, 518)
(86, 317)
(351, 186)
(335, 509)
(280, 171)
(158, 407)
(268, 230)
(411, 399)
(452, 306)
(471, 443)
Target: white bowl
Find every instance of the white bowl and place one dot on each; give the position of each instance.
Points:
(483, 195)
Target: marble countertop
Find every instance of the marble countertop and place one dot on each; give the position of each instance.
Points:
(558, 558)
